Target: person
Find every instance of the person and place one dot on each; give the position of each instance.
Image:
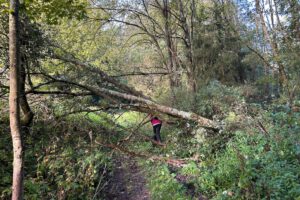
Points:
(156, 123)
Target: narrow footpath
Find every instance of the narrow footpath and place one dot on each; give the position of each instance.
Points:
(127, 182)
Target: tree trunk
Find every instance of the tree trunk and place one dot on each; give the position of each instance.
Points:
(188, 43)
(192, 83)
(101, 73)
(172, 63)
(203, 122)
(274, 47)
(28, 114)
(14, 115)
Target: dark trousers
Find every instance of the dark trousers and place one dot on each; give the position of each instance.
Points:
(156, 131)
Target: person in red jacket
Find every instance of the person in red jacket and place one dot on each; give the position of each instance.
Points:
(156, 123)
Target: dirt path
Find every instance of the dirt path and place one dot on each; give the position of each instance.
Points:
(127, 182)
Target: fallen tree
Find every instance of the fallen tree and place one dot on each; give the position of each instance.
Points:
(137, 96)
(145, 105)
(121, 92)
(202, 121)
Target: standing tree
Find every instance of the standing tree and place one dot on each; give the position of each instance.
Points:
(17, 188)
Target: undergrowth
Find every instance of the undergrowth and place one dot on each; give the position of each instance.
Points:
(61, 160)
(162, 184)
(256, 155)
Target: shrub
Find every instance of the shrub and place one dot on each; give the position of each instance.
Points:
(256, 166)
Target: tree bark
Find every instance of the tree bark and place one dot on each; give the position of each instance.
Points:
(14, 109)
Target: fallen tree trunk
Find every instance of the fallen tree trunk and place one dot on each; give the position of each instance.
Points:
(151, 105)
(128, 93)
(144, 104)
(201, 121)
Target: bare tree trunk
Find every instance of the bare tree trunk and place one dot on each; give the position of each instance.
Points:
(172, 54)
(188, 42)
(14, 115)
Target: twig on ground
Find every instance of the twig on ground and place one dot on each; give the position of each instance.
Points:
(170, 161)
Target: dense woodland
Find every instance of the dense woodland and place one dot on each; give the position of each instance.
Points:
(79, 79)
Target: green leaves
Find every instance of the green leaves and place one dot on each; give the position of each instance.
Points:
(253, 166)
(53, 11)
(163, 184)
(4, 7)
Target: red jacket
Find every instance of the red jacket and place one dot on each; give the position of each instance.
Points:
(155, 121)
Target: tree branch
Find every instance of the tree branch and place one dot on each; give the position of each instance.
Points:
(141, 74)
(170, 161)
(59, 93)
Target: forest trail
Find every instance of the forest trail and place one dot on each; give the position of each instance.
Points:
(127, 182)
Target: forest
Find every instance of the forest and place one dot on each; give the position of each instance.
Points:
(150, 99)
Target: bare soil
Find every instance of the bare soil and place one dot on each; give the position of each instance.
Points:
(127, 182)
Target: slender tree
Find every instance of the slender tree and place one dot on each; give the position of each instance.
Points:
(17, 187)
(274, 45)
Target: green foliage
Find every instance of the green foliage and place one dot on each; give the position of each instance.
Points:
(4, 6)
(60, 160)
(217, 98)
(75, 171)
(212, 99)
(5, 157)
(242, 161)
(54, 10)
(129, 118)
(255, 166)
(163, 185)
(190, 169)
